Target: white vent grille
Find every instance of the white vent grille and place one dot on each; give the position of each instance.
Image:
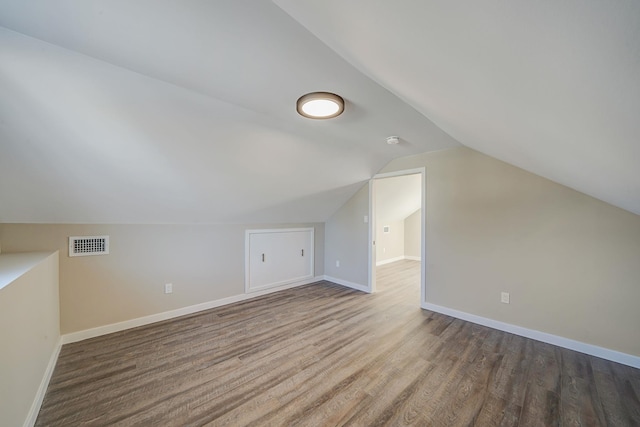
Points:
(88, 245)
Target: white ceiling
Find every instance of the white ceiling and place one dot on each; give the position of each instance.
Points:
(181, 112)
(150, 111)
(397, 197)
(550, 86)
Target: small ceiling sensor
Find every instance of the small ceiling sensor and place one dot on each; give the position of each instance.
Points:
(393, 140)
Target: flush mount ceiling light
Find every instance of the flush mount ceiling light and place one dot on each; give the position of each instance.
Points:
(320, 105)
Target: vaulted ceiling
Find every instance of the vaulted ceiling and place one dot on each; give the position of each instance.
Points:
(117, 111)
(397, 197)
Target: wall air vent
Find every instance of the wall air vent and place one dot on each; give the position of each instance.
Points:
(88, 245)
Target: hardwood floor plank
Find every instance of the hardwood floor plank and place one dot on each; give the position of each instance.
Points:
(614, 411)
(325, 355)
(627, 387)
(577, 406)
(542, 394)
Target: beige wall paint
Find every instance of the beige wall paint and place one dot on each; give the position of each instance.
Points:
(346, 240)
(29, 332)
(412, 234)
(389, 245)
(203, 262)
(569, 261)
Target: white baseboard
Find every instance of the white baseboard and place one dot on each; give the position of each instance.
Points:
(32, 416)
(398, 258)
(390, 260)
(348, 284)
(166, 315)
(593, 350)
(279, 285)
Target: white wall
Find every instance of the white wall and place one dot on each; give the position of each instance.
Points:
(412, 234)
(346, 240)
(569, 261)
(389, 246)
(29, 332)
(203, 262)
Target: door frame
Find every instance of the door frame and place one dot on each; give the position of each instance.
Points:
(371, 284)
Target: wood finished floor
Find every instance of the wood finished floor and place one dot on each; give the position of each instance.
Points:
(324, 355)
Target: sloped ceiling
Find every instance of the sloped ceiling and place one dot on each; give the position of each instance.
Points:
(552, 87)
(183, 112)
(115, 111)
(397, 197)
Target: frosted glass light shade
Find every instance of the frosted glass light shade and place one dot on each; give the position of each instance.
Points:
(320, 105)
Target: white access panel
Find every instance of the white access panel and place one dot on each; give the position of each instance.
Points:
(277, 257)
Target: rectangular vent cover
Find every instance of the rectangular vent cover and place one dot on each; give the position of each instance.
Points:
(88, 245)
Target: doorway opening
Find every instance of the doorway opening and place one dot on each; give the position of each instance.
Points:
(397, 231)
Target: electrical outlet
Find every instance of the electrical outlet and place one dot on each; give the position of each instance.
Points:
(168, 288)
(366, 219)
(337, 263)
(504, 297)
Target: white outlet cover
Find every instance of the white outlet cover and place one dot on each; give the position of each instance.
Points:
(504, 297)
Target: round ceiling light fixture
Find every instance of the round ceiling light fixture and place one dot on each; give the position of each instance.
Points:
(320, 105)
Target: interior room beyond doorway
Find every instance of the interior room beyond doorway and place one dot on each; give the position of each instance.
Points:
(397, 212)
